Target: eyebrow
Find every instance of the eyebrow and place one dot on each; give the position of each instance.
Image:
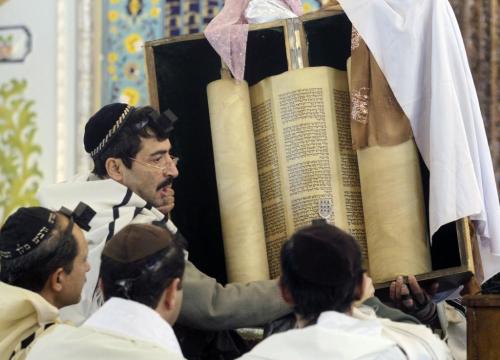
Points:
(159, 152)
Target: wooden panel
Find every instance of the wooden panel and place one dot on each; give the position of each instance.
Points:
(483, 319)
(151, 78)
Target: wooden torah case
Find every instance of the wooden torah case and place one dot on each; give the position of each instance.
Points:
(179, 70)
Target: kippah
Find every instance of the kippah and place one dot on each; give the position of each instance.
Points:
(323, 254)
(25, 230)
(136, 242)
(104, 125)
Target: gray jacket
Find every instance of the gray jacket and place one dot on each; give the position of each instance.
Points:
(208, 305)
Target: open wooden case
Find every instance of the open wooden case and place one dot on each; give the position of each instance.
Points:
(179, 70)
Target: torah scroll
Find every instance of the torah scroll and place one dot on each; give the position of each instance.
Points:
(304, 154)
(391, 184)
(237, 181)
(302, 142)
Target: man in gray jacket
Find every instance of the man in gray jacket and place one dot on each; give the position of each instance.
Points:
(132, 183)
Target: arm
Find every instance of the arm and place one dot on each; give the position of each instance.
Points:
(208, 305)
(390, 313)
(381, 310)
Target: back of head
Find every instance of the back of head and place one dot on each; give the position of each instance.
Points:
(321, 269)
(140, 262)
(116, 131)
(35, 242)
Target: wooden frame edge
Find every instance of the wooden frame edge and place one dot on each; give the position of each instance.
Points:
(151, 77)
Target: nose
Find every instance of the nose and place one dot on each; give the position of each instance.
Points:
(171, 169)
(174, 170)
(87, 268)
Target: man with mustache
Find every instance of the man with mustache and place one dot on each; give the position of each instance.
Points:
(131, 183)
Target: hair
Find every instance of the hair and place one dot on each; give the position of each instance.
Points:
(312, 297)
(144, 280)
(32, 270)
(127, 141)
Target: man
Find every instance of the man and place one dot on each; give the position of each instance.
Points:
(131, 183)
(141, 278)
(322, 278)
(43, 261)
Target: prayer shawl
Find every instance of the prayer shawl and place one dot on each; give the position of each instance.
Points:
(84, 343)
(360, 336)
(23, 317)
(134, 320)
(419, 48)
(116, 206)
(121, 329)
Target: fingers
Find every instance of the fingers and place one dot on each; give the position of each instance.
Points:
(406, 298)
(395, 291)
(399, 285)
(392, 291)
(414, 285)
(165, 210)
(418, 293)
(417, 289)
(170, 193)
(169, 202)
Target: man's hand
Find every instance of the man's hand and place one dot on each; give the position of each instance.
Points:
(169, 202)
(413, 299)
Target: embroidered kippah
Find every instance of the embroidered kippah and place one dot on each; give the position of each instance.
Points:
(25, 230)
(108, 122)
(104, 125)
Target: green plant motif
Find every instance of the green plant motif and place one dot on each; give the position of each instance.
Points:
(19, 175)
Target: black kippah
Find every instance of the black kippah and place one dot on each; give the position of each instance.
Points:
(104, 125)
(325, 255)
(25, 230)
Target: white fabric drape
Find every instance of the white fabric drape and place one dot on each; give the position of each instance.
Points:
(135, 321)
(419, 48)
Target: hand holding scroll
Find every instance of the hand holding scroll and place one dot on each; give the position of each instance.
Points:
(413, 299)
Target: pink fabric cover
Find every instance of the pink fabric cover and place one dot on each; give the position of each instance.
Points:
(228, 33)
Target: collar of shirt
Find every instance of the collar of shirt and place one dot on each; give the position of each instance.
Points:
(132, 319)
(340, 321)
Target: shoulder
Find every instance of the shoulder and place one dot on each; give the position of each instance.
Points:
(68, 342)
(416, 339)
(285, 345)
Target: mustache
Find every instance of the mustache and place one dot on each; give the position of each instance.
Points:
(168, 181)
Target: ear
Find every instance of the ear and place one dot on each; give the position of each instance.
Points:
(114, 168)
(358, 291)
(360, 287)
(364, 290)
(170, 294)
(56, 280)
(285, 293)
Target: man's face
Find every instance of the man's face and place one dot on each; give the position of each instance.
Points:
(74, 281)
(151, 169)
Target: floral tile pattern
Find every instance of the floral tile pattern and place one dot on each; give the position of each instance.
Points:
(126, 25)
